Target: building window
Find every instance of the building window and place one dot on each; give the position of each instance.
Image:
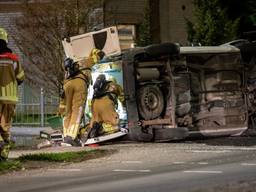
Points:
(126, 34)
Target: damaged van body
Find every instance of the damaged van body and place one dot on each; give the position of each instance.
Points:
(172, 92)
(248, 53)
(187, 91)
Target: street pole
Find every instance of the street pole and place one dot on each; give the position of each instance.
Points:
(42, 107)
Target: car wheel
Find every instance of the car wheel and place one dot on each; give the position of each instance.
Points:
(150, 102)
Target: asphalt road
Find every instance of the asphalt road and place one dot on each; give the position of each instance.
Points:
(223, 164)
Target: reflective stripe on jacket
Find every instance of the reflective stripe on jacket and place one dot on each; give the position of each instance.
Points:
(11, 74)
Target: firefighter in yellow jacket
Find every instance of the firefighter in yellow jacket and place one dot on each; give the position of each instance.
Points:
(11, 75)
(76, 83)
(104, 105)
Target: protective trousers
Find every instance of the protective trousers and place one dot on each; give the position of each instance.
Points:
(103, 111)
(6, 114)
(75, 99)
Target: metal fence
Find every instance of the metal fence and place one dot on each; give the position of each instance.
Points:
(36, 111)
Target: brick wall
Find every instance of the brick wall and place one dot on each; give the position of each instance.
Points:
(124, 11)
(169, 23)
(172, 20)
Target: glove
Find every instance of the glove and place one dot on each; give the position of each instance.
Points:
(97, 55)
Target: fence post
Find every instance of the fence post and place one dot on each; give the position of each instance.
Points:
(42, 107)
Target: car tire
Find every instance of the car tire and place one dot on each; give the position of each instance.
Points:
(150, 102)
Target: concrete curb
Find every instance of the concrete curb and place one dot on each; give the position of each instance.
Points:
(27, 136)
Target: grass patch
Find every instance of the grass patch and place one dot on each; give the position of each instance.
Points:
(65, 156)
(10, 165)
(42, 160)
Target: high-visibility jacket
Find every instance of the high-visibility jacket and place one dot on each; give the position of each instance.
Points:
(104, 108)
(11, 75)
(85, 73)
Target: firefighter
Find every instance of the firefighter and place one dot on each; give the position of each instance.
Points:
(72, 105)
(105, 119)
(11, 75)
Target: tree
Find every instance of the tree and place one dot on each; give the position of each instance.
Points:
(144, 28)
(244, 10)
(40, 30)
(212, 25)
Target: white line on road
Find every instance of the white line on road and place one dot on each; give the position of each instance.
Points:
(178, 162)
(248, 164)
(215, 172)
(202, 163)
(131, 162)
(66, 170)
(181, 162)
(241, 148)
(132, 170)
(225, 150)
(206, 151)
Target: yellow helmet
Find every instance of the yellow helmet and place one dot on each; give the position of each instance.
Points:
(3, 35)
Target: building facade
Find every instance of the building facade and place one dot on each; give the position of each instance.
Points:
(167, 17)
(172, 19)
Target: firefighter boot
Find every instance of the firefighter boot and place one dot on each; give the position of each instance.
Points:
(96, 130)
(83, 133)
(68, 141)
